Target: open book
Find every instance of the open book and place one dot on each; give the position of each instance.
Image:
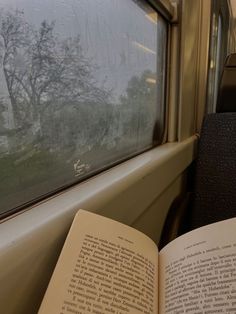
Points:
(108, 267)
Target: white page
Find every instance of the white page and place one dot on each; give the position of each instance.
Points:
(104, 267)
(197, 271)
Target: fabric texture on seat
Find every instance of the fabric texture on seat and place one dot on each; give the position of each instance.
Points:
(214, 196)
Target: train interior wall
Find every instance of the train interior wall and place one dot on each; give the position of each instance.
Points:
(138, 192)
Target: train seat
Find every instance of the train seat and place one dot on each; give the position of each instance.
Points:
(212, 197)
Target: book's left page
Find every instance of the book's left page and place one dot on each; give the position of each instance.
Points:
(104, 267)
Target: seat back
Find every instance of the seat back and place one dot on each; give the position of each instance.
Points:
(214, 195)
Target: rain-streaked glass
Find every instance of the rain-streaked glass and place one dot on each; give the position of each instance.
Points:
(81, 88)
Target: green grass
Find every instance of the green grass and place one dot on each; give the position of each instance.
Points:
(29, 174)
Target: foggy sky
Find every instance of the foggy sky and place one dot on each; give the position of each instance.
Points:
(112, 34)
(109, 32)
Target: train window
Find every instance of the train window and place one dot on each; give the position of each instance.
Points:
(214, 66)
(218, 50)
(82, 88)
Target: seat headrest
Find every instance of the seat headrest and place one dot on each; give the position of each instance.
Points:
(227, 90)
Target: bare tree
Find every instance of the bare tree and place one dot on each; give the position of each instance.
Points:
(14, 37)
(40, 70)
(2, 119)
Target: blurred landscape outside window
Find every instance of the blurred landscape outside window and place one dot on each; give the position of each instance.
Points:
(81, 88)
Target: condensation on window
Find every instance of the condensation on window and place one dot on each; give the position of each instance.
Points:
(214, 63)
(81, 88)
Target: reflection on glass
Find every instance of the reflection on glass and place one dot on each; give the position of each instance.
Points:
(214, 65)
(82, 87)
(217, 66)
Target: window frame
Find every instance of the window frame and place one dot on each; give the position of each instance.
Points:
(219, 11)
(167, 11)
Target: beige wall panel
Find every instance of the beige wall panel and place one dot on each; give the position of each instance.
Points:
(203, 61)
(189, 62)
(152, 220)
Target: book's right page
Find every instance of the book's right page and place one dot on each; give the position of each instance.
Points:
(197, 271)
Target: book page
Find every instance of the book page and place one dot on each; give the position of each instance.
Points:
(104, 267)
(197, 271)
